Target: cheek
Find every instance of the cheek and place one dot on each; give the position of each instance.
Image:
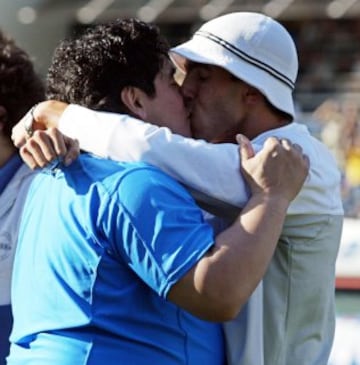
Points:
(174, 113)
(208, 98)
(175, 103)
(210, 119)
(208, 107)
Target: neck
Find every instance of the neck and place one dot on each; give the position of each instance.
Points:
(227, 136)
(271, 126)
(263, 122)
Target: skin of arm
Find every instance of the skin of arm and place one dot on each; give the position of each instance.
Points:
(122, 138)
(223, 280)
(217, 287)
(46, 143)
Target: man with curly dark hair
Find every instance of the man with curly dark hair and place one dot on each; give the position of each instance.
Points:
(20, 88)
(110, 67)
(123, 268)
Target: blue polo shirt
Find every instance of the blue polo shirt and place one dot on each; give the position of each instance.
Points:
(8, 171)
(101, 244)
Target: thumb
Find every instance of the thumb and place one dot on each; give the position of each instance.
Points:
(245, 148)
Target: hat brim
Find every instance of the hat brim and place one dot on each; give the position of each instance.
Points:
(202, 50)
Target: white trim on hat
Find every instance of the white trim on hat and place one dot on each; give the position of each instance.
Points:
(246, 57)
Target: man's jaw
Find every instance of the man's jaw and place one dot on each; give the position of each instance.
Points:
(193, 129)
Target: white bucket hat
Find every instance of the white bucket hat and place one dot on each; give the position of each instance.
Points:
(251, 46)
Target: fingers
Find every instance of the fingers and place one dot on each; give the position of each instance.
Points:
(300, 151)
(295, 148)
(282, 143)
(55, 142)
(32, 156)
(246, 150)
(46, 146)
(279, 168)
(73, 150)
(28, 158)
(38, 151)
(306, 160)
(286, 144)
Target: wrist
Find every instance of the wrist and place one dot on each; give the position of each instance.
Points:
(275, 200)
(29, 122)
(47, 114)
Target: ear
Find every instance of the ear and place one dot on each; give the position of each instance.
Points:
(133, 98)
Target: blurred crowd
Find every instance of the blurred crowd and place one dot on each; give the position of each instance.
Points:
(329, 55)
(328, 90)
(337, 124)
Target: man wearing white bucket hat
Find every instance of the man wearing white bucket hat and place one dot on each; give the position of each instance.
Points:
(240, 73)
(248, 86)
(252, 48)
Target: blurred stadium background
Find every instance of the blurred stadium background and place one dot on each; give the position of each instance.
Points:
(327, 35)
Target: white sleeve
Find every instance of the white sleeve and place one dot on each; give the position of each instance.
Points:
(204, 168)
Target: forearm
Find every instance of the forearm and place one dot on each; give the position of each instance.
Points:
(210, 171)
(225, 278)
(206, 168)
(246, 248)
(48, 113)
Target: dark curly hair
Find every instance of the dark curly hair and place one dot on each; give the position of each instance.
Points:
(92, 69)
(20, 86)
